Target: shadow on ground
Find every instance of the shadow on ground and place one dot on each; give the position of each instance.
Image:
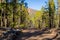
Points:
(34, 33)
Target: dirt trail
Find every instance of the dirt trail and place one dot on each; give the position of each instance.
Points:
(41, 35)
(34, 34)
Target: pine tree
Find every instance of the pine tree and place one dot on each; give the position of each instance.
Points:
(58, 2)
(9, 14)
(51, 13)
(13, 13)
(23, 13)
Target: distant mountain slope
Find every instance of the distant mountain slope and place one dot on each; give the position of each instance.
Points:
(31, 11)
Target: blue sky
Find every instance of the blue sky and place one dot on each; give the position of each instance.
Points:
(36, 4)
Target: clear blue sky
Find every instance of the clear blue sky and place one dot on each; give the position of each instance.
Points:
(36, 4)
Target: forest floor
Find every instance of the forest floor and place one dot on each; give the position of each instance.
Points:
(34, 34)
(52, 34)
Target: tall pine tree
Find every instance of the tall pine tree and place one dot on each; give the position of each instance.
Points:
(51, 13)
